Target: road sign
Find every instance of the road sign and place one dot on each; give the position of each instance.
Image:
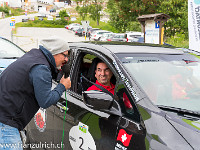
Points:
(85, 25)
(13, 19)
(12, 24)
(157, 24)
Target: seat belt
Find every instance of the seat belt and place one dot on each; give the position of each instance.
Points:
(100, 87)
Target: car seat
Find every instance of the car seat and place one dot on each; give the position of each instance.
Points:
(91, 76)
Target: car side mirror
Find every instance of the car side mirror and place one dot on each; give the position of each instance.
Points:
(101, 101)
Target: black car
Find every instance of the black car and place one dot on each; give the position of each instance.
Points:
(79, 32)
(162, 84)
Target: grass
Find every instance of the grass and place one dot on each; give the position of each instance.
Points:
(44, 23)
(178, 42)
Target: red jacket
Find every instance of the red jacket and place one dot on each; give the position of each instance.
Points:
(111, 89)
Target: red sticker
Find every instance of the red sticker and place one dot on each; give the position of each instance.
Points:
(40, 119)
(124, 137)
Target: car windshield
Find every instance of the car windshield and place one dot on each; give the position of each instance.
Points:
(168, 80)
(9, 50)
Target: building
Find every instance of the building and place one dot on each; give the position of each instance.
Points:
(11, 3)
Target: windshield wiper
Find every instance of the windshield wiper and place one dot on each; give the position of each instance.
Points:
(181, 112)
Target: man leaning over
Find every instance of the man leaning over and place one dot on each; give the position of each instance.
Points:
(26, 84)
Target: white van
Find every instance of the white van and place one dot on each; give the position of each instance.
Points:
(131, 36)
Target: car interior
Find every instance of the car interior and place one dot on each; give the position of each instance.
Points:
(87, 69)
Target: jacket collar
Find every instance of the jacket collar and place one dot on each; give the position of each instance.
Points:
(48, 55)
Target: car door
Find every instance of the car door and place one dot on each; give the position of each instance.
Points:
(40, 129)
(84, 128)
(131, 131)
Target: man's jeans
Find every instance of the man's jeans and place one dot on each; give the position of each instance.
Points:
(10, 138)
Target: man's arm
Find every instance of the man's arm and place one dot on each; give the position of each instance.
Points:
(41, 79)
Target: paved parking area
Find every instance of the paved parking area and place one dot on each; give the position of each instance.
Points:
(29, 37)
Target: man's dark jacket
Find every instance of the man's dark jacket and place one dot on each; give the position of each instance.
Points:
(17, 99)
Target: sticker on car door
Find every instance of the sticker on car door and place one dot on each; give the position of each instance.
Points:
(124, 138)
(80, 138)
(40, 119)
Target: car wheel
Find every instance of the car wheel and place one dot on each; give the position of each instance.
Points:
(99, 38)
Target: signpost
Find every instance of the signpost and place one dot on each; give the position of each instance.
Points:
(12, 24)
(85, 26)
(153, 27)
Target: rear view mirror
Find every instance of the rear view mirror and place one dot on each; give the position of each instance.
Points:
(97, 99)
(101, 101)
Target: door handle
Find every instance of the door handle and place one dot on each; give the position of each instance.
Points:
(62, 107)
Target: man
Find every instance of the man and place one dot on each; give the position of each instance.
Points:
(103, 75)
(25, 86)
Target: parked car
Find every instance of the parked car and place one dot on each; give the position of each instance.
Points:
(90, 31)
(25, 19)
(70, 26)
(161, 83)
(75, 28)
(131, 36)
(9, 52)
(106, 36)
(138, 39)
(79, 32)
(96, 35)
(117, 37)
(57, 17)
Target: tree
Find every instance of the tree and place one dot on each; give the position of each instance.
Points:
(178, 12)
(92, 8)
(124, 12)
(63, 14)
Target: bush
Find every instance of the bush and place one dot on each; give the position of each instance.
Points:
(179, 40)
(134, 26)
(44, 23)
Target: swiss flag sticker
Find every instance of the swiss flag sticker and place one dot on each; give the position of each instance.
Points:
(124, 137)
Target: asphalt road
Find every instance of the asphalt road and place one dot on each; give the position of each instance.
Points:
(29, 37)
(5, 28)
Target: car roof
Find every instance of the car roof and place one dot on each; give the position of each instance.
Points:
(141, 49)
(124, 47)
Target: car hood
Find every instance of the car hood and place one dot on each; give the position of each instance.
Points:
(4, 63)
(190, 130)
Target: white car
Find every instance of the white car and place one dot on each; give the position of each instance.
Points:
(71, 26)
(97, 34)
(105, 36)
(131, 36)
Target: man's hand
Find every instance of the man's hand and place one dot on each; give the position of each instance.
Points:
(66, 82)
